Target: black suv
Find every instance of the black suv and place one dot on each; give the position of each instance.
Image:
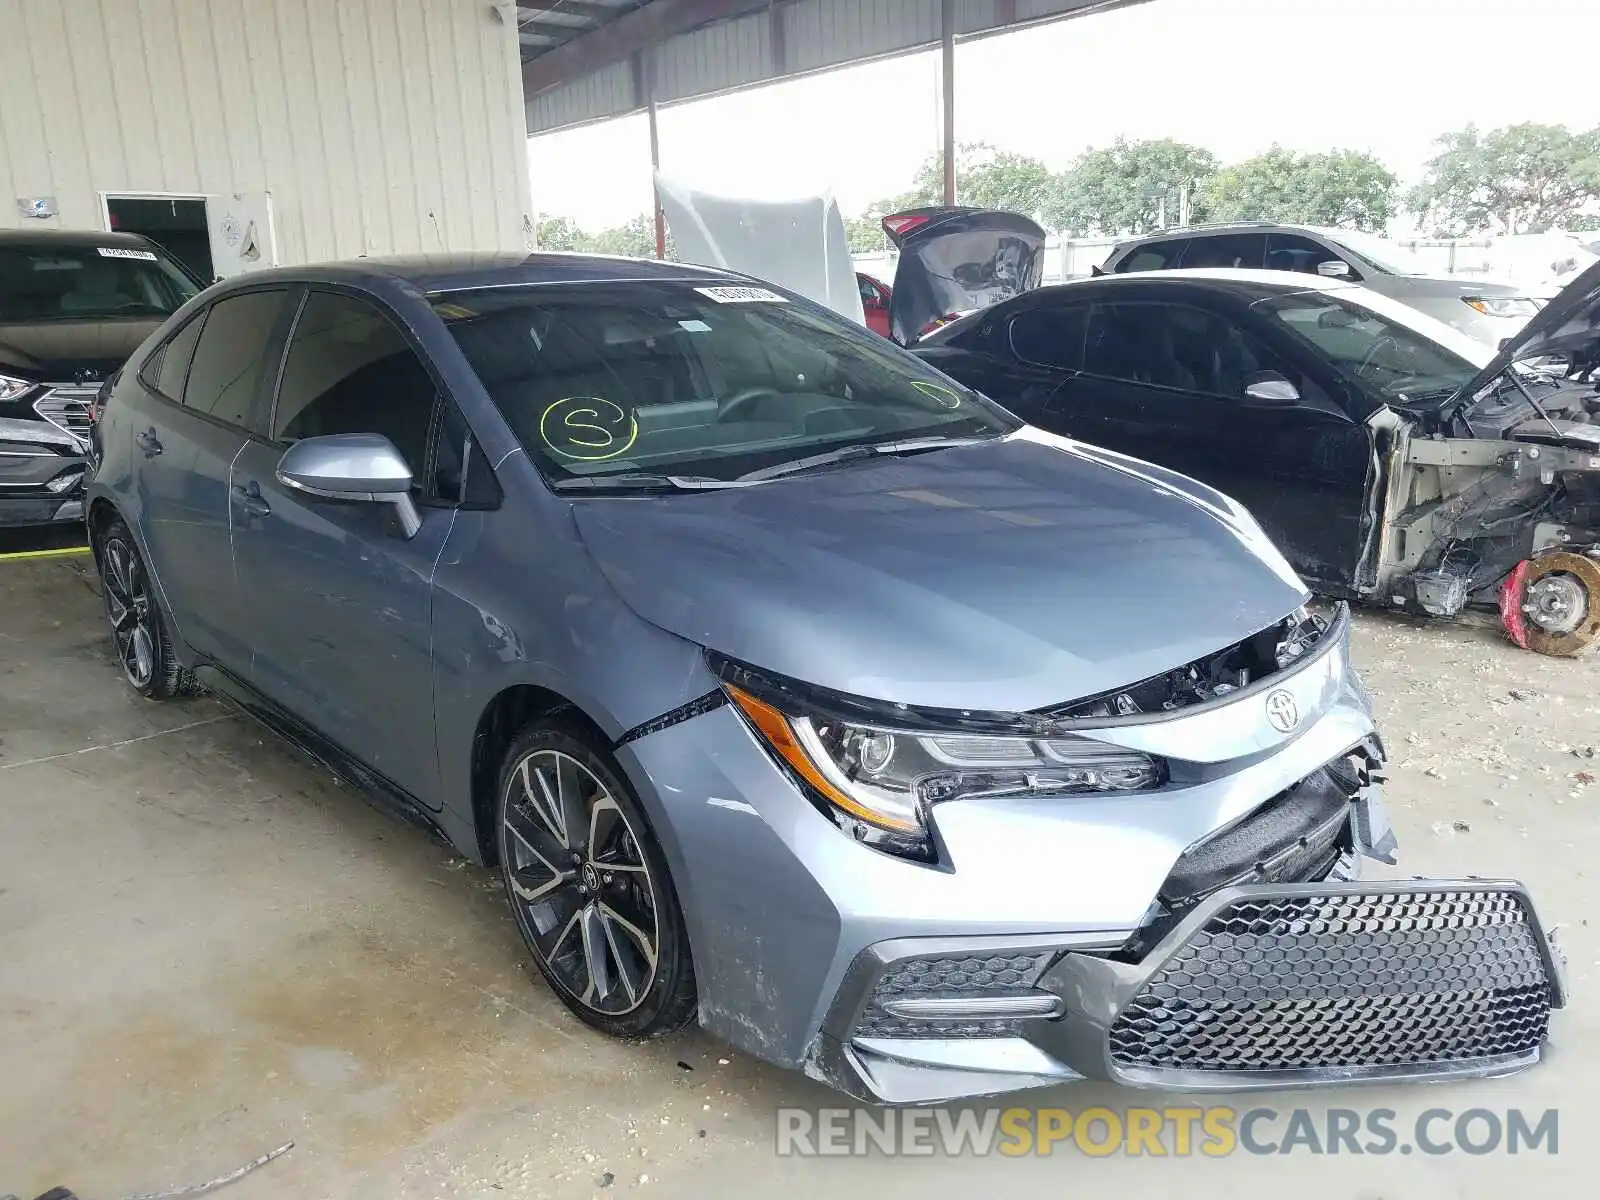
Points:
(73, 306)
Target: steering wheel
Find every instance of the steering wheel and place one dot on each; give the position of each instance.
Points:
(1366, 363)
(743, 398)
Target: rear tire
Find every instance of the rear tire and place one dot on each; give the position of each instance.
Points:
(588, 885)
(140, 633)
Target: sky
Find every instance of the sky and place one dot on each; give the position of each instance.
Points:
(1235, 76)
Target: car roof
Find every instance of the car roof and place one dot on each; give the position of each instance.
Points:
(1222, 227)
(456, 272)
(72, 237)
(1231, 278)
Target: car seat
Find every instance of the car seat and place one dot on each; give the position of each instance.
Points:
(98, 290)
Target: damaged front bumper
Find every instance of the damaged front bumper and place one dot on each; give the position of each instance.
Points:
(1258, 986)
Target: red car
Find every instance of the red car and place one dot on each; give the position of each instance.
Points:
(875, 299)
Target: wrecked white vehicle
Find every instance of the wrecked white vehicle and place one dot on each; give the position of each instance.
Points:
(1392, 459)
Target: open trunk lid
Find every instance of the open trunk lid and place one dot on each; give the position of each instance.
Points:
(958, 260)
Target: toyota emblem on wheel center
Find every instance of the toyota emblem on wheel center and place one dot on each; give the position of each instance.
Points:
(1282, 711)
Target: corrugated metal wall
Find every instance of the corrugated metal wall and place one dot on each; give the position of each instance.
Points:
(379, 126)
(816, 34)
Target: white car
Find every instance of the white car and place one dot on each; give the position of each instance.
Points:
(1484, 310)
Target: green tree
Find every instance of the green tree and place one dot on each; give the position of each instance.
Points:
(1347, 188)
(1124, 187)
(636, 239)
(1518, 179)
(558, 233)
(864, 234)
(986, 177)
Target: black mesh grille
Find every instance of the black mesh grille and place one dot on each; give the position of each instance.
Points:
(968, 975)
(1286, 983)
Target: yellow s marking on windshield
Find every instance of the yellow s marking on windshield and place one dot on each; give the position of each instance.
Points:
(588, 428)
(942, 396)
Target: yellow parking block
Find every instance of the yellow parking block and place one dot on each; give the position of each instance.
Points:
(64, 552)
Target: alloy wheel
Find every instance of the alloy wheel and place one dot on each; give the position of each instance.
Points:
(580, 882)
(128, 607)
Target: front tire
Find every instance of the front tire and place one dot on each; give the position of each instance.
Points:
(589, 888)
(139, 629)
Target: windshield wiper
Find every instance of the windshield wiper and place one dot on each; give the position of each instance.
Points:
(640, 481)
(853, 453)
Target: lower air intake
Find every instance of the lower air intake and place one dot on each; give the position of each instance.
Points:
(1346, 980)
(949, 977)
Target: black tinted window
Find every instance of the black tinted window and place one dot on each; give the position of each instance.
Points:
(1050, 337)
(231, 355)
(1293, 252)
(1234, 250)
(47, 281)
(349, 370)
(461, 472)
(169, 366)
(1177, 346)
(1154, 256)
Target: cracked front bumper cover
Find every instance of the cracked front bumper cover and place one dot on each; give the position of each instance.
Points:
(1259, 986)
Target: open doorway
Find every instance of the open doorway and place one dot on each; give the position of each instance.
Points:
(176, 223)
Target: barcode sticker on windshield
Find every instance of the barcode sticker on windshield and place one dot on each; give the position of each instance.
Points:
(118, 252)
(741, 295)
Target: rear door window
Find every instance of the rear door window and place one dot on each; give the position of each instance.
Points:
(231, 355)
(1154, 256)
(1244, 251)
(168, 368)
(350, 370)
(1051, 336)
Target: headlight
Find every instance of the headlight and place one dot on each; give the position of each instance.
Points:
(879, 782)
(11, 387)
(1503, 306)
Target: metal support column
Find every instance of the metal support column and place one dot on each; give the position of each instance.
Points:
(655, 188)
(643, 67)
(947, 29)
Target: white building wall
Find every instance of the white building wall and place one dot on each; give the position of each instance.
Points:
(379, 126)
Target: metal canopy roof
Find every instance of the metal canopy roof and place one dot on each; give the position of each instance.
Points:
(589, 60)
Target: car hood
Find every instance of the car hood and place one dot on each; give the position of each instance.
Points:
(72, 351)
(958, 260)
(1569, 324)
(1008, 576)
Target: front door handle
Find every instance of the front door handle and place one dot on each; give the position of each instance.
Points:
(251, 499)
(148, 442)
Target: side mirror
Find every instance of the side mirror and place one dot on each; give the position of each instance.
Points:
(352, 466)
(1272, 390)
(1334, 268)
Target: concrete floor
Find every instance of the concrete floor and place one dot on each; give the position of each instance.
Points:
(208, 948)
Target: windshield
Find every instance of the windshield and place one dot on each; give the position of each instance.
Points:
(1392, 358)
(44, 282)
(716, 382)
(1380, 252)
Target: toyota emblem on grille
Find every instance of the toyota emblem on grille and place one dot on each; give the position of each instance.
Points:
(1282, 712)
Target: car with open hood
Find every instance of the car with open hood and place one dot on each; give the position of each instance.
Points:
(1392, 459)
(792, 686)
(72, 307)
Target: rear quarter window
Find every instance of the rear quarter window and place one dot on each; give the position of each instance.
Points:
(1153, 256)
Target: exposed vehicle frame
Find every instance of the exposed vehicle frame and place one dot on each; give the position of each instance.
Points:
(1483, 493)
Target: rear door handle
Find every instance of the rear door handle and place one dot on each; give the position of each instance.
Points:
(251, 499)
(148, 442)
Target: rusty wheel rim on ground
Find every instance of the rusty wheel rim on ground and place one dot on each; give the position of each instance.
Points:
(1561, 601)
